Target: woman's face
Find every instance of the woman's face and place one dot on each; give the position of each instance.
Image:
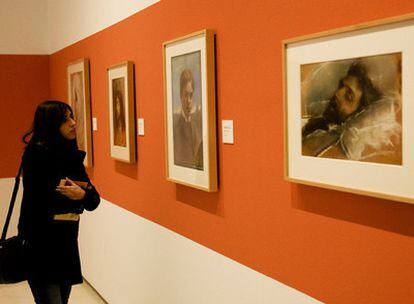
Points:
(68, 128)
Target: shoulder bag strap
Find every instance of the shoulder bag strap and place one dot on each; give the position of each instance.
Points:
(12, 201)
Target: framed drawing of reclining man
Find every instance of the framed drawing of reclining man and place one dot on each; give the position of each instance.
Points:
(348, 117)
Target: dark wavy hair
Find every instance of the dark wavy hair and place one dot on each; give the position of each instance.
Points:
(369, 92)
(49, 116)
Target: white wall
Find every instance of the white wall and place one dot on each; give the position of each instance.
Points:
(47, 26)
(23, 27)
(6, 188)
(72, 20)
(130, 260)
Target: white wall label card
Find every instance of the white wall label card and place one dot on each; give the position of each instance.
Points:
(141, 126)
(94, 124)
(227, 128)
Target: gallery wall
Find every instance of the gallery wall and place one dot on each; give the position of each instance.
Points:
(334, 246)
(24, 81)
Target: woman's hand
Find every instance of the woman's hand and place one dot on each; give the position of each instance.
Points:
(71, 190)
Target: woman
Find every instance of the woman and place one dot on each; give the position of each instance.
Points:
(52, 201)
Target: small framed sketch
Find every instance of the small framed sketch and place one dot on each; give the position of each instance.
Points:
(122, 112)
(190, 110)
(349, 115)
(80, 101)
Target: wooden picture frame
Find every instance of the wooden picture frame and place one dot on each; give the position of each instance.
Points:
(190, 110)
(121, 102)
(80, 101)
(361, 140)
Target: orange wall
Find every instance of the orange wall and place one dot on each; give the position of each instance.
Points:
(334, 246)
(24, 82)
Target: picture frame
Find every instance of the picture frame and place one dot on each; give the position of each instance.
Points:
(80, 100)
(347, 110)
(190, 110)
(121, 104)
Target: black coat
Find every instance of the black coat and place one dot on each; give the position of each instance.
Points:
(53, 254)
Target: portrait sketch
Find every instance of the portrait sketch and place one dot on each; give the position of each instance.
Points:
(119, 120)
(78, 105)
(190, 110)
(79, 100)
(121, 106)
(187, 110)
(349, 113)
(351, 109)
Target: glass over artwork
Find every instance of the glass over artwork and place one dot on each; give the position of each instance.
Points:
(187, 110)
(77, 100)
(119, 121)
(351, 109)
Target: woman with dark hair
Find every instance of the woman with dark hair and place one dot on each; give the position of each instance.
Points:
(56, 191)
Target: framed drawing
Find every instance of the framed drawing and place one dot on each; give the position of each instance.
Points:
(122, 112)
(349, 115)
(79, 100)
(190, 110)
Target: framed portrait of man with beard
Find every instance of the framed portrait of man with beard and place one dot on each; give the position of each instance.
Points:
(348, 119)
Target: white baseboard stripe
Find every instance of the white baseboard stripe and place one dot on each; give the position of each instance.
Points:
(157, 265)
